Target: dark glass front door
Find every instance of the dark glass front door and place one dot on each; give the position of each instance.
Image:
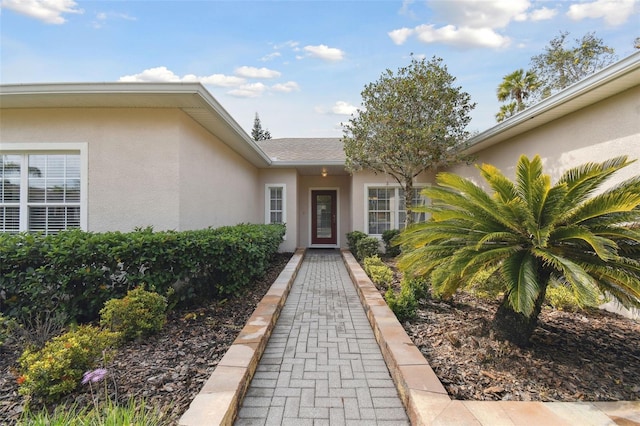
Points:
(323, 217)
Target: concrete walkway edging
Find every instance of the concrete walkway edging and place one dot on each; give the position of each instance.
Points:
(219, 400)
(426, 400)
(415, 380)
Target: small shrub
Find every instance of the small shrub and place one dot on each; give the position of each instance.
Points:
(140, 313)
(367, 247)
(562, 298)
(403, 305)
(38, 329)
(352, 240)
(419, 286)
(57, 368)
(389, 249)
(379, 273)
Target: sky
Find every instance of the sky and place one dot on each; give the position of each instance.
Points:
(300, 65)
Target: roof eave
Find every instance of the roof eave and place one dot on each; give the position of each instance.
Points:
(216, 119)
(596, 87)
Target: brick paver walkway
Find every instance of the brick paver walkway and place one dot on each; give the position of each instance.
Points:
(322, 364)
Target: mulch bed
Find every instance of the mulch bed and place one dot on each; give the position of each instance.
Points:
(169, 368)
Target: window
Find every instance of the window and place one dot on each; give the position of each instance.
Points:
(41, 191)
(275, 199)
(386, 209)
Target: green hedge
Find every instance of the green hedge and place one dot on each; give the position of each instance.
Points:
(78, 271)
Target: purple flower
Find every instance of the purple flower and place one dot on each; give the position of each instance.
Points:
(94, 375)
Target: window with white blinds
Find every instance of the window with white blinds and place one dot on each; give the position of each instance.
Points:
(40, 192)
(386, 208)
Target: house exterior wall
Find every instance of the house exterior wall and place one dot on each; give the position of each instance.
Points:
(308, 183)
(216, 185)
(593, 134)
(132, 172)
(289, 178)
(146, 167)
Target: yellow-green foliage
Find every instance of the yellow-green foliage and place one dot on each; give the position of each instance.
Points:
(418, 285)
(403, 305)
(57, 368)
(138, 314)
(376, 270)
(563, 299)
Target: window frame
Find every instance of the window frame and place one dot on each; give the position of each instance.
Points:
(34, 148)
(267, 202)
(394, 204)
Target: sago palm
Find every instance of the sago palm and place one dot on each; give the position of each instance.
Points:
(530, 233)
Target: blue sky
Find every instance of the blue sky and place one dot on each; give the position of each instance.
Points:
(301, 65)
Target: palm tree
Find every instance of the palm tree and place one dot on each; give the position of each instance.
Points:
(530, 234)
(518, 86)
(506, 111)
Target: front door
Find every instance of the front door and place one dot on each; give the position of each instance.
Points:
(323, 217)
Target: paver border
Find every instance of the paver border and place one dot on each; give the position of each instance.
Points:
(219, 400)
(428, 403)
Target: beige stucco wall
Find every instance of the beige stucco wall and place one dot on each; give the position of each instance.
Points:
(308, 183)
(217, 186)
(147, 167)
(359, 183)
(595, 133)
(289, 178)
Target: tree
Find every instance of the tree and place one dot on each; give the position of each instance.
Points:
(506, 111)
(257, 133)
(517, 86)
(410, 122)
(531, 234)
(559, 67)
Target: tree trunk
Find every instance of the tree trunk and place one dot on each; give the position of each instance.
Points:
(514, 326)
(408, 202)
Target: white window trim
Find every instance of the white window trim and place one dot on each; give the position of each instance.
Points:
(395, 211)
(55, 148)
(267, 203)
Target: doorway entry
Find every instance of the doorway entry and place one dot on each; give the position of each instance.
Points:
(324, 217)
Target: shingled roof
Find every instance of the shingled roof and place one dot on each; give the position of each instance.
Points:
(303, 150)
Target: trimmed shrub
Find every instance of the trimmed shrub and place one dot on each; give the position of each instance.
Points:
(419, 286)
(352, 240)
(139, 314)
(390, 250)
(379, 273)
(57, 368)
(367, 247)
(77, 272)
(404, 305)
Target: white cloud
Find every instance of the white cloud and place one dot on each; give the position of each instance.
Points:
(480, 14)
(48, 11)
(614, 12)
(400, 35)
(343, 108)
(325, 52)
(542, 14)
(162, 74)
(461, 37)
(270, 56)
(252, 90)
(252, 72)
(287, 87)
(158, 74)
(471, 23)
(103, 17)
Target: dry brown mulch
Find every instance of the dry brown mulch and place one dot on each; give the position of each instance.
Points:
(590, 355)
(169, 368)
